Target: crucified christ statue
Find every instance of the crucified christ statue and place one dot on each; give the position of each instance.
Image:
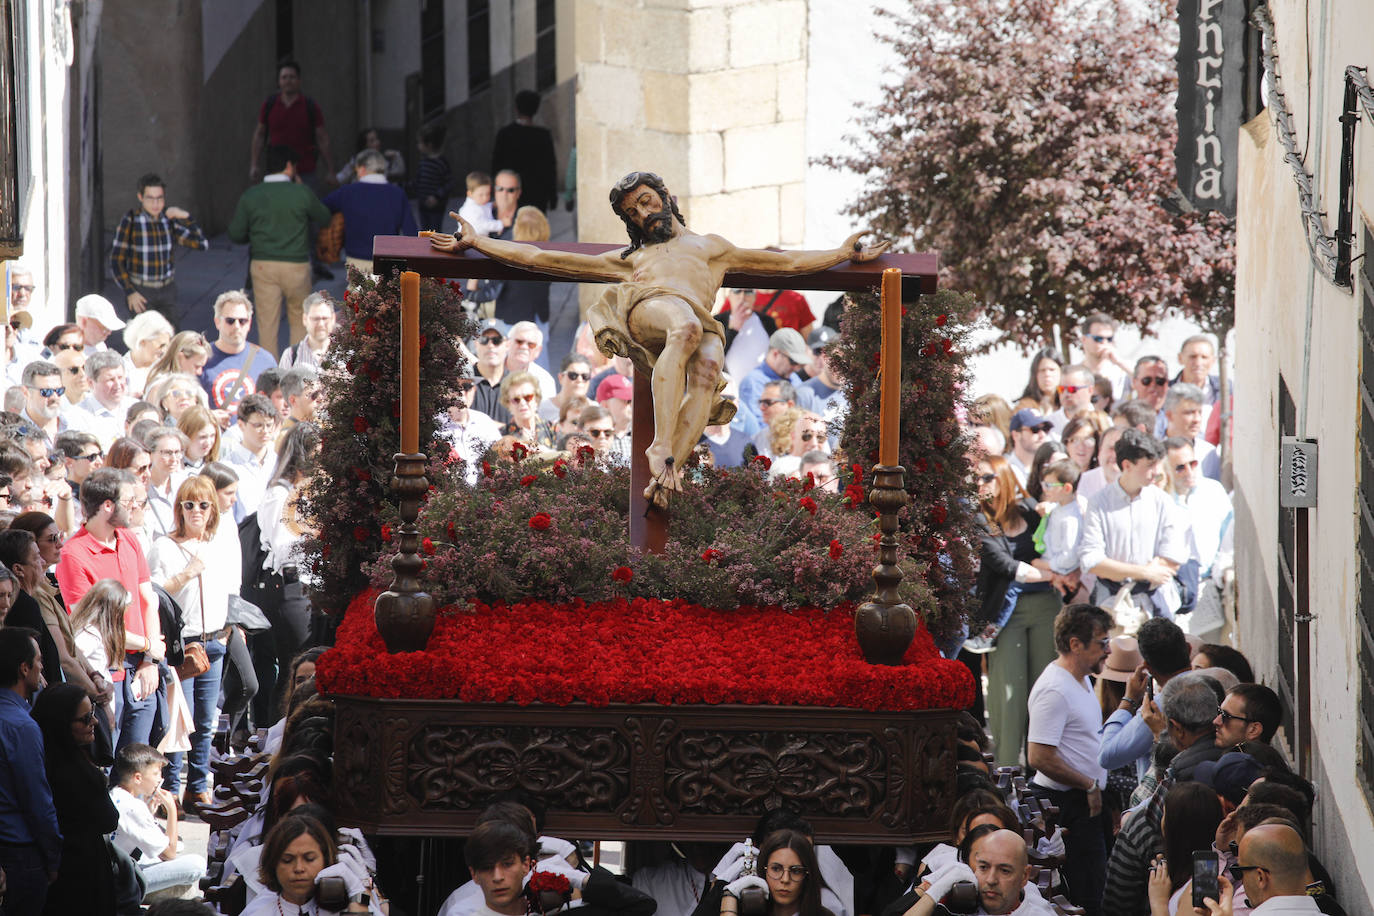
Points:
(658, 313)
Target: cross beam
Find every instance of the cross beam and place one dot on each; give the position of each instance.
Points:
(413, 253)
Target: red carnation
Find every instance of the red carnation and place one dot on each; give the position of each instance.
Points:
(809, 483)
(360, 534)
(370, 326)
(947, 345)
(836, 550)
(854, 495)
(452, 532)
(710, 554)
(938, 514)
(623, 574)
(940, 320)
(360, 424)
(586, 452)
(858, 470)
(528, 480)
(486, 468)
(386, 533)
(765, 461)
(541, 521)
(518, 451)
(808, 504)
(427, 546)
(560, 469)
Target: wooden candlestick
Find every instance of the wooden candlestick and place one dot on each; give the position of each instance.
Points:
(410, 362)
(891, 379)
(405, 613)
(884, 625)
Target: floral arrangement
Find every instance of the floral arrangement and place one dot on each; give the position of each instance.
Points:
(639, 650)
(559, 532)
(547, 891)
(938, 532)
(360, 433)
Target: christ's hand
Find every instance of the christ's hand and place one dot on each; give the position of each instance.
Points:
(862, 253)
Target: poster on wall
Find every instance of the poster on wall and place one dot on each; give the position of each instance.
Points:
(12, 166)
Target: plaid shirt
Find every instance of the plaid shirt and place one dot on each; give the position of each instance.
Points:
(142, 248)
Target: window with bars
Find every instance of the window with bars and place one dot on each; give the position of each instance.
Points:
(479, 45)
(1365, 545)
(545, 45)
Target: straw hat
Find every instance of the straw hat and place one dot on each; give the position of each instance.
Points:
(1123, 660)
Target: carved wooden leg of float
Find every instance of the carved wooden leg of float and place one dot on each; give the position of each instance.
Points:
(885, 626)
(405, 613)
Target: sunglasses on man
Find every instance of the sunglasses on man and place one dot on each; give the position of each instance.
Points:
(1149, 380)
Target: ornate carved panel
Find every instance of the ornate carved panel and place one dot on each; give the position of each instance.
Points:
(691, 772)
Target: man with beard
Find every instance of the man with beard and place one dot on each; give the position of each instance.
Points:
(658, 310)
(105, 548)
(1063, 744)
(43, 391)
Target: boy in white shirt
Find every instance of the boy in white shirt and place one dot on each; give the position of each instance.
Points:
(137, 796)
(476, 207)
(1063, 526)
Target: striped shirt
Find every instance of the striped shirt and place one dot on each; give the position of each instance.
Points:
(142, 247)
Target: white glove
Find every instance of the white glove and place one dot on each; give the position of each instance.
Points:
(1052, 845)
(576, 877)
(353, 857)
(739, 884)
(355, 839)
(947, 877)
(731, 865)
(353, 884)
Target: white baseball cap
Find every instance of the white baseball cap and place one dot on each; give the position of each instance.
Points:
(94, 305)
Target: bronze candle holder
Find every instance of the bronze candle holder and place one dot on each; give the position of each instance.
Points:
(884, 625)
(405, 613)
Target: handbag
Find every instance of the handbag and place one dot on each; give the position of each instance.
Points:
(1126, 612)
(195, 662)
(247, 615)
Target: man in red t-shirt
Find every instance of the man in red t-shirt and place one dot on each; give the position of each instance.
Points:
(787, 308)
(290, 118)
(105, 548)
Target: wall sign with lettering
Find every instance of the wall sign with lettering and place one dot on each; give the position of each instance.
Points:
(1211, 100)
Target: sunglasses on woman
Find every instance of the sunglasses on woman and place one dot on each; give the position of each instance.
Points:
(190, 505)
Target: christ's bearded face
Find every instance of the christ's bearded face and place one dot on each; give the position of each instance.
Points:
(650, 212)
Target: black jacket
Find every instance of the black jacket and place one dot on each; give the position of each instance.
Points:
(1000, 554)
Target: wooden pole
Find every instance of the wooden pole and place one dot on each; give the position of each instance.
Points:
(648, 523)
(890, 418)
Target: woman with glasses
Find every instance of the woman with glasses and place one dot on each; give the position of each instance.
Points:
(202, 437)
(128, 455)
(789, 876)
(199, 571)
(174, 393)
(807, 434)
(1080, 442)
(1042, 388)
(85, 815)
(520, 396)
(573, 379)
(63, 338)
(147, 335)
(240, 678)
(1016, 598)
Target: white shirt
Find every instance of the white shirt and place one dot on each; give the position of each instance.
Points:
(1209, 514)
(480, 216)
(282, 544)
(1063, 530)
(1128, 530)
(747, 349)
(137, 830)
(548, 388)
(471, 439)
(1288, 904)
(221, 577)
(1018, 467)
(160, 518)
(104, 423)
(676, 885)
(1093, 481)
(1065, 714)
(253, 476)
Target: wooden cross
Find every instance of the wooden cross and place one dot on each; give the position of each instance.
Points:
(648, 529)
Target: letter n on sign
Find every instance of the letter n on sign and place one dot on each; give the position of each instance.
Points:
(1211, 100)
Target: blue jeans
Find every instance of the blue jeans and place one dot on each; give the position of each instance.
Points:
(202, 695)
(179, 872)
(136, 717)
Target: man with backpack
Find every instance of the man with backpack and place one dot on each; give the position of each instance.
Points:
(292, 119)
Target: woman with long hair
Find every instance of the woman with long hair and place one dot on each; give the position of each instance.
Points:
(199, 572)
(174, 393)
(1042, 388)
(296, 854)
(1047, 454)
(284, 529)
(1192, 813)
(202, 437)
(98, 627)
(1013, 589)
(240, 679)
(789, 875)
(86, 816)
(187, 353)
(1080, 442)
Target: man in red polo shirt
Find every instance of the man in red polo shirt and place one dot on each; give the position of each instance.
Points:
(105, 548)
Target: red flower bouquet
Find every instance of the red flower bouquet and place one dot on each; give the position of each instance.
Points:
(547, 892)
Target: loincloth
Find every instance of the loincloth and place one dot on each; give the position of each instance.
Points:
(609, 319)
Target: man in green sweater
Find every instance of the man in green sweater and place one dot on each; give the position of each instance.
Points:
(274, 218)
